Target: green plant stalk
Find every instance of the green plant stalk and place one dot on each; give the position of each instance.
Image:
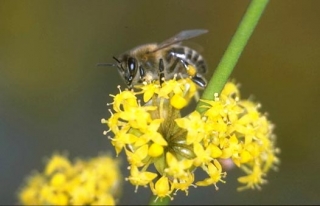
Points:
(233, 52)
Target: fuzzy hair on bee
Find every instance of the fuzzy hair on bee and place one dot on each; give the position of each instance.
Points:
(162, 61)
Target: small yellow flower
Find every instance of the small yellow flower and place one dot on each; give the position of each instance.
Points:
(90, 182)
(121, 139)
(124, 100)
(154, 133)
(253, 180)
(149, 90)
(57, 163)
(203, 156)
(161, 188)
(215, 173)
(194, 125)
(177, 169)
(136, 157)
(138, 117)
(139, 178)
(183, 184)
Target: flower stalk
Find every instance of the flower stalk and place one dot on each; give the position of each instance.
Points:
(234, 50)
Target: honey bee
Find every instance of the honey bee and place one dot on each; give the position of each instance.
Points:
(162, 61)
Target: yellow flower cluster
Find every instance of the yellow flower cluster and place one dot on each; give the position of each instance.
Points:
(93, 182)
(155, 134)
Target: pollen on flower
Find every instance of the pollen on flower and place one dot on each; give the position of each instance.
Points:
(155, 150)
(86, 182)
(178, 101)
(154, 134)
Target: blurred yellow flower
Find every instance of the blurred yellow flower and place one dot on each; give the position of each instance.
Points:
(152, 131)
(90, 182)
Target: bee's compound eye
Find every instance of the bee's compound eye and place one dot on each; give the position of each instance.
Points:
(132, 65)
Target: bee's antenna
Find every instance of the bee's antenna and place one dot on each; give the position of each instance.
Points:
(109, 64)
(106, 64)
(116, 59)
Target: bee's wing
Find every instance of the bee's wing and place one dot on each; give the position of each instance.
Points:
(183, 35)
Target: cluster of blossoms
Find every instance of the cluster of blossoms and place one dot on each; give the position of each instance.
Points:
(164, 149)
(92, 182)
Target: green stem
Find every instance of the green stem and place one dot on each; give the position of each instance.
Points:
(162, 201)
(233, 52)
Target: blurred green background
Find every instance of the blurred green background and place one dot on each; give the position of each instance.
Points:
(52, 96)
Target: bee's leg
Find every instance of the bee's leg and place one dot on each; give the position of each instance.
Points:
(195, 77)
(161, 71)
(199, 80)
(142, 72)
(184, 64)
(192, 72)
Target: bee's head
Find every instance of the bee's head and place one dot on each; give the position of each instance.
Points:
(127, 67)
